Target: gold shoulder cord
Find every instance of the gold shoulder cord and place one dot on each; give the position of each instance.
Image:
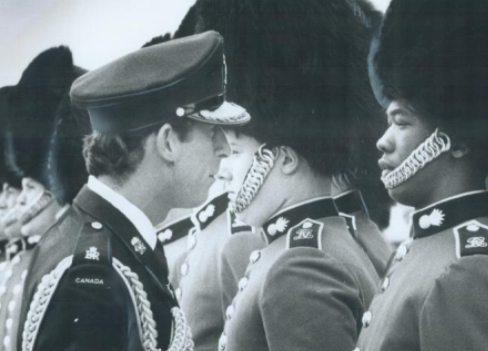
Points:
(181, 338)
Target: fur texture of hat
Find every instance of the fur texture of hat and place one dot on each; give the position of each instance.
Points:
(33, 107)
(433, 54)
(300, 69)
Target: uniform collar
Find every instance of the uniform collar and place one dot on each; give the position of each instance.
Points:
(129, 210)
(235, 225)
(449, 212)
(210, 210)
(350, 202)
(174, 230)
(289, 217)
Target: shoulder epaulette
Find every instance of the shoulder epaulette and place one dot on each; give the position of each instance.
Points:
(471, 239)
(350, 222)
(92, 260)
(235, 225)
(308, 233)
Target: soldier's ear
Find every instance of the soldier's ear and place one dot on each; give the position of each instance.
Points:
(459, 149)
(168, 144)
(290, 160)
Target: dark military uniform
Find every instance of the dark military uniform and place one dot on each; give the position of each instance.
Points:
(439, 305)
(173, 237)
(111, 290)
(197, 277)
(306, 290)
(351, 204)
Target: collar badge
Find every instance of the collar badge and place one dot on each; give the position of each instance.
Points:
(436, 218)
(92, 254)
(165, 235)
(278, 227)
(206, 214)
(138, 245)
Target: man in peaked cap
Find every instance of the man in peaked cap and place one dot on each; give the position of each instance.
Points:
(431, 74)
(300, 67)
(99, 279)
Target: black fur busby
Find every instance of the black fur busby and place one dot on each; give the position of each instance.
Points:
(66, 165)
(433, 54)
(157, 40)
(187, 25)
(33, 108)
(300, 69)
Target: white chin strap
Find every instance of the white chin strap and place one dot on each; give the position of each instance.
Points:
(44, 200)
(262, 164)
(429, 150)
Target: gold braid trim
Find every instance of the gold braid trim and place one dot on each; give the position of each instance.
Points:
(181, 340)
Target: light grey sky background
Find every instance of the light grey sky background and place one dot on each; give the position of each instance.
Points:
(96, 31)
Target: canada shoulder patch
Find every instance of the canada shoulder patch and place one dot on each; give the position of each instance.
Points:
(308, 233)
(471, 239)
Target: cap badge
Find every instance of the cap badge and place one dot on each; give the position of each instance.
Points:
(165, 235)
(476, 242)
(306, 232)
(138, 245)
(278, 227)
(92, 254)
(206, 214)
(436, 218)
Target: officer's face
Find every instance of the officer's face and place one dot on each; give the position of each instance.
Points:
(32, 190)
(405, 133)
(8, 209)
(202, 152)
(233, 169)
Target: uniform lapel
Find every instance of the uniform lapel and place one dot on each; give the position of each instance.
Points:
(154, 261)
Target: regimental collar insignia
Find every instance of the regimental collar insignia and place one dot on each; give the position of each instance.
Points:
(351, 202)
(471, 239)
(175, 230)
(138, 245)
(211, 210)
(449, 213)
(313, 209)
(306, 234)
(235, 225)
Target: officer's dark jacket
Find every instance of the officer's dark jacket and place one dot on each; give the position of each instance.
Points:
(91, 307)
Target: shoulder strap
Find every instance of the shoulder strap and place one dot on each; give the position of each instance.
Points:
(471, 239)
(307, 233)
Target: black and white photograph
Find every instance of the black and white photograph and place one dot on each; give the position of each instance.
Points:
(243, 175)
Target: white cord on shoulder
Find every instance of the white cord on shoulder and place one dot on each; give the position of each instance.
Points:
(430, 149)
(181, 340)
(261, 166)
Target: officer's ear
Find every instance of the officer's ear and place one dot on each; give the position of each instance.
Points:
(290, 160)
(168, 144)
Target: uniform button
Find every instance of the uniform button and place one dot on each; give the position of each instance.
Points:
(243, 283)
(255, 256)
(178, 293)
(385, 285)
(9, 323)
(184, 269)
(24, 274)
(357, 349)
(192, 242)
(17, 289)
(9, 274)
(11, 306)
(96, 225)
(2, 290)
(222, 342)
(401, 252)
(367, 317)
(229, 312)
(6, 341)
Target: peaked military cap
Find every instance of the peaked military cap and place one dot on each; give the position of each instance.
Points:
(179, 78)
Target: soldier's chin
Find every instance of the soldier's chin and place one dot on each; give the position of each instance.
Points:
(41, 222)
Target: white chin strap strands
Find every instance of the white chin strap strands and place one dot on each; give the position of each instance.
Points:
(429, 150)
(262, 164)
(37, 207)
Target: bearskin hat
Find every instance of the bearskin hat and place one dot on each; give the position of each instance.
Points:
(300, 69)
(34, 107)
(157, 40)
(187, 25)
(433, 54)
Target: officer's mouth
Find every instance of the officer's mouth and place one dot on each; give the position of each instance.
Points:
(386, 167)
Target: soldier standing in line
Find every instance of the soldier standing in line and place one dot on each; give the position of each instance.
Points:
(99, 278)
(300, 69)
(430, 70)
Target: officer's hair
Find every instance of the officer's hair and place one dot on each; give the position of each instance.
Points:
(119, 155)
